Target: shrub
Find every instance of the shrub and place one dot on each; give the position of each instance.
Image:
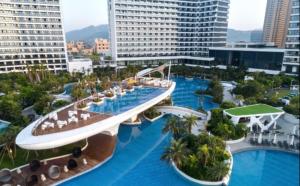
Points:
(59, 104)
(227, 105)
(151, 113)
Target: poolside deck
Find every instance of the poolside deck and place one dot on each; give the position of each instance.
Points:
(99, 149)
(63, 116)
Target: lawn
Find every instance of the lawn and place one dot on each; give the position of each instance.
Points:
(22, 156)
(279, 93)
(252, 110)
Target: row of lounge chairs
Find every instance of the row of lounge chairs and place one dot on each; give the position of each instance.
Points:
(53, 173)
(281, 144)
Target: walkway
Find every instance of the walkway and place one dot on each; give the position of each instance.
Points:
(181, 112)
(95, 154)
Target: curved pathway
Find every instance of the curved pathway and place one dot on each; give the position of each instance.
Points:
(181, 112)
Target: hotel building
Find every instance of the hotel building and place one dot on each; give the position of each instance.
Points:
(276, 22)
(156, 30)
(291, 61)
(31, 33)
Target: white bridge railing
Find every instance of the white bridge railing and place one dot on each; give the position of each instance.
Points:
(180, 111)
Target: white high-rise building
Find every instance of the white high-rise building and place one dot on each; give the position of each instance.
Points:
(31, 33)
(291, 61)
(155, 30)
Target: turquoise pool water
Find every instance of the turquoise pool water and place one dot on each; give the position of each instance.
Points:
(265, 168)
(128, 101)
(3, 126)
(136, 160)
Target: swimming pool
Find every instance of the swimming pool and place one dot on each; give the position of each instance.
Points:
(136, 160)
(128, 101)
(265, 168)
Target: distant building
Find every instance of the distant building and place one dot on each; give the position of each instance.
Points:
(31, 33)
(256, 59)
(101, 46)
(291, 60)
(276, 21)
(80, 64)
(256, 36)
(79, 48)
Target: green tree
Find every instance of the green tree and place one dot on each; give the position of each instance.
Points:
(218, 171)
(43, 105)
(189, 122)
(175, 126)
(177, 153)
(227, 105)
(203, 154)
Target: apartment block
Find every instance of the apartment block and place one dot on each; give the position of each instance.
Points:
(151, 30)
(276, 22)
(291, 60)
(31, 33)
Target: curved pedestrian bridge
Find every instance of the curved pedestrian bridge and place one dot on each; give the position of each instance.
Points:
(181, 111)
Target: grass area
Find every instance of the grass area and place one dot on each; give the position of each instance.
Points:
(21, 155)
(252, 110)
(279, 93)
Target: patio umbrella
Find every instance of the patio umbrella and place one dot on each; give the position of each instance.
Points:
(270, 136)
(260, 138)
(292, 140)
(275, 139)
(288, 137)
(294, 130)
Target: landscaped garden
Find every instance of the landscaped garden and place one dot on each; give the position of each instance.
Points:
(203, 157)
(221, 126)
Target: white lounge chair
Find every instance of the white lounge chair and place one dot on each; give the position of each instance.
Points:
(84, 161)
(66, 169)
(43, 177)
(61, 123)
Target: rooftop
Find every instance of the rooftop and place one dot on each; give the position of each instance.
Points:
(253, 110)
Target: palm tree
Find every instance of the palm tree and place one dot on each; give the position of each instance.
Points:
(203, 153)
(9, 146)
(218, 171)
(190, 121)
(173, 127)
(177, 153)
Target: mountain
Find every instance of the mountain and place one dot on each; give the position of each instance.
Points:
(238, 35)
(88, 34)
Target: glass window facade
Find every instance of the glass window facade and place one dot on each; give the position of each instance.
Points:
(249, 59)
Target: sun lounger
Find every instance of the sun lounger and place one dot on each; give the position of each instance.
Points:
(285, 144)
(43, 178)
(66, 168)
(61, 123)
(73, 119)
(84, 161)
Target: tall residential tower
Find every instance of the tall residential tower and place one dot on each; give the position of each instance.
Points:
(31, 33)
(291, 61)
(155, 30)
(276, 22)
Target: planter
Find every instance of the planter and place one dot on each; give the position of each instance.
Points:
(230, 142)
(111, 98)
(224, 181)
(98, 103)
(154, 119)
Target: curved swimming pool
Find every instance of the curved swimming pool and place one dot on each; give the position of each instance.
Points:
(265, 168)
(136, 160)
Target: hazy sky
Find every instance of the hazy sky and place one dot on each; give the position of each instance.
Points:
(243, 14)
